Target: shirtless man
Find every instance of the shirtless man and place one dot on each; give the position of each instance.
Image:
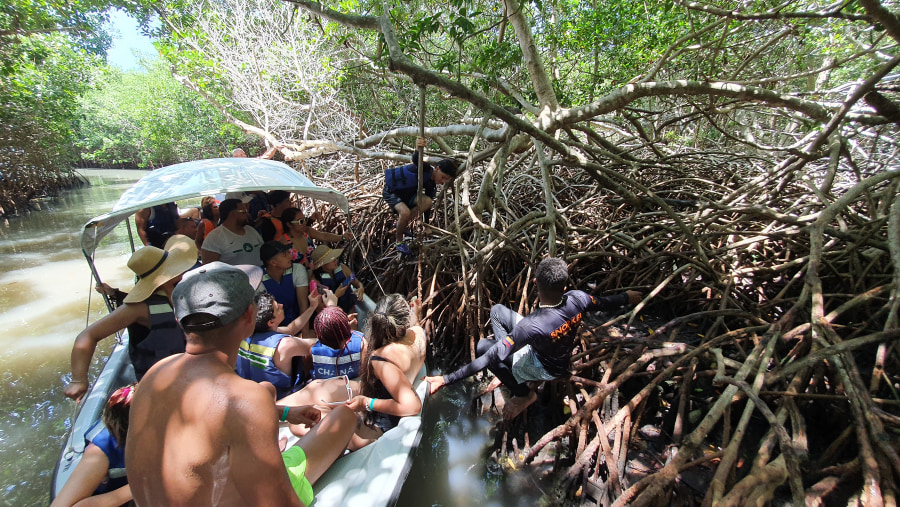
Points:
(201, 435)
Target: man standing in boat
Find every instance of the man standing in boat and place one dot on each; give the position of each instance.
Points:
(233, 241)
(200, 434)
(536, 347)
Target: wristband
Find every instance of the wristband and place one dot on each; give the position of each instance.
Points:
(285, 414)
(343, 238)
(371, 404)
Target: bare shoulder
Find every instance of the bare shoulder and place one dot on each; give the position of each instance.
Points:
(293, 345)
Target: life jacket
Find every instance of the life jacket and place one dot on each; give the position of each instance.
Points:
(333, 281)
(162, 218)
(406, 177)
(163, 339)
(255, 362)
(271, 228)
(329, 362)
(100, 436)
(285, 293)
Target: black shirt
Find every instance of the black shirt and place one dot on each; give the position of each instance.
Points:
(551, 332)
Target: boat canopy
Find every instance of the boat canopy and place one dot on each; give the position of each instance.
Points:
(201, 178)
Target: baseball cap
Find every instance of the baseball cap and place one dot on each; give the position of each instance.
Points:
(272, 248)
(211, 296)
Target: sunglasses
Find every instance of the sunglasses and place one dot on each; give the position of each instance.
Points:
(300, 221)
(349, 393)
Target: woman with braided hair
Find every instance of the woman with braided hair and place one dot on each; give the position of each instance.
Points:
(394, 355)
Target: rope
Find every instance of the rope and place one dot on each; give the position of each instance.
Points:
(420, 192)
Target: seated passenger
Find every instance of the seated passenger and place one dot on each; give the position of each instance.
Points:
(155, 225)
(100, 475)
(338, 349)
(209, 217)
(287, 281)
(337, 277)
(395, 355)
(187, 227)
(221, 431)
(270, 225)
(233, 241)
(301, 235)
(272, 356)
(147, 313)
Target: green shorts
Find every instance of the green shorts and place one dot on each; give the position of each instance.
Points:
(295, 462)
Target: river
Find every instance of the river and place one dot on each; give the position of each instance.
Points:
(45, 287)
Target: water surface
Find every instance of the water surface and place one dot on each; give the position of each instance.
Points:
(46, 299)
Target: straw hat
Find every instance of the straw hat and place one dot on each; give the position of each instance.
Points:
(155, 267)
(323, 255)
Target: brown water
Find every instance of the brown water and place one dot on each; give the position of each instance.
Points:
(45, 291)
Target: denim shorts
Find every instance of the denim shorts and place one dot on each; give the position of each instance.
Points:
(526, 366)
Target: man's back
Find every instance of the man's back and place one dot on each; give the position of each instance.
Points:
(201, 435)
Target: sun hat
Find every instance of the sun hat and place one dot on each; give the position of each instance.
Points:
(332, 327)
(323, 255)
(154, 266)
(272, 248)
(212, 296)
(244, 197)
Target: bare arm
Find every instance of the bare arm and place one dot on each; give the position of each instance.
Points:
(324, 237)
(201, 235)
(140, 223)
(89, 473)
(288, 348)
(87, 340)
(301, 323)
(303, 304)
(256, 464)
(404, 400)
(206, 256)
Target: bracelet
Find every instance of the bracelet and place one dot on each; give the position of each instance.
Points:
(371, 406)
(343, 238)
(285, 414)
(79, 381)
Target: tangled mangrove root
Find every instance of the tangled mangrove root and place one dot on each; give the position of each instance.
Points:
(770, 369)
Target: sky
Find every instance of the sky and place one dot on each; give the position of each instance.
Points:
(126, 40)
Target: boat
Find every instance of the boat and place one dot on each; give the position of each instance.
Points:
(374, 475)
(196, 179)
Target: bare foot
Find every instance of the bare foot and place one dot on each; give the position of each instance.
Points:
(515, 405)
(495, 383)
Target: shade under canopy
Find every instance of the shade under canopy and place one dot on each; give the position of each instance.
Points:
(200, 178)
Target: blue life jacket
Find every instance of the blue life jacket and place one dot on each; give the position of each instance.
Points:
(255, 361)
(100, 436)
(163, 339)
(333, 281)
(329, 363)
(285, 293)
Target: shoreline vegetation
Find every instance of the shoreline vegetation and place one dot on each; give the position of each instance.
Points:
(20, 187)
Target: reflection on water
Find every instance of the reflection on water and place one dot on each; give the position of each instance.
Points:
(453, 467)
(44, 289)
